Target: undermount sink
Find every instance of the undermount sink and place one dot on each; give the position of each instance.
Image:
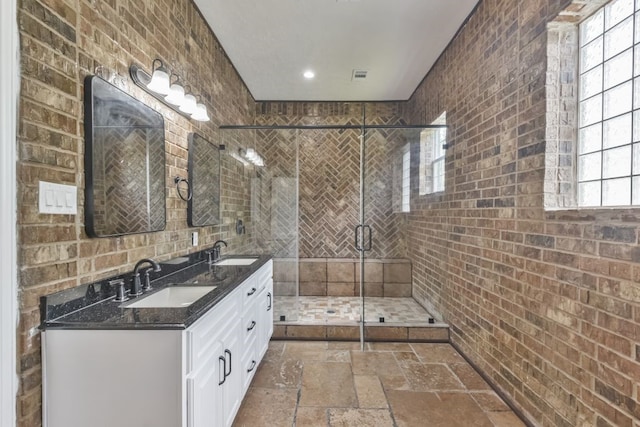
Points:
(173, 296)
(237, 261)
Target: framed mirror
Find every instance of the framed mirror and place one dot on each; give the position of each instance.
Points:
(204, 176)
(124, 163)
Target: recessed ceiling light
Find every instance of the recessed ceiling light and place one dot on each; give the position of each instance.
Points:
(309, 74)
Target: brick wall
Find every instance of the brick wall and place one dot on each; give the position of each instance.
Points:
(61, 42)
(546, 303)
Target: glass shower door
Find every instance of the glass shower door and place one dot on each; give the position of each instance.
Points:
(329, 159)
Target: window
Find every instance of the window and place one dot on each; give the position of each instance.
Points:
(406, 169)
(609, 107)
(432, 156)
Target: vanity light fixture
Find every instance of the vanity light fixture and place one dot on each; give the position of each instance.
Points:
(159, 78)
(188, 105)
(251, 156)
(200, 113)
(239, 157)
(174, 95)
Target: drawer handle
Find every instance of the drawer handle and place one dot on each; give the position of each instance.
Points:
(253, 366)
(251, 326)
(251, 292)
(224, 370)
(226, 374)
(270, 301)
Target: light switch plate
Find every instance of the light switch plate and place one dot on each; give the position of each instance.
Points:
(57, 198)
(194, 238)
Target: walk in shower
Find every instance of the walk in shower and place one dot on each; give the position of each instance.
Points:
(330, 204)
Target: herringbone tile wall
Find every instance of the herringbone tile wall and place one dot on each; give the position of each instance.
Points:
(328, 178)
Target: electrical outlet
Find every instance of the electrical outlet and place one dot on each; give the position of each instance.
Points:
(194, 238)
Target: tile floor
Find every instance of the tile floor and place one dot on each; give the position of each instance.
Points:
(347, 310)
(305, 384)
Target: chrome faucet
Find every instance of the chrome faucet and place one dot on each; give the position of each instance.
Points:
(214, 254)
(136, 288)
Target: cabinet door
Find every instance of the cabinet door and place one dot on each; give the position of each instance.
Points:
(231, 388)
(204, 402)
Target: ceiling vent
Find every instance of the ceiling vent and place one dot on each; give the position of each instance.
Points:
(359, 75)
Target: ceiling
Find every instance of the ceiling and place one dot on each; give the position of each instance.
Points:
(273, 42)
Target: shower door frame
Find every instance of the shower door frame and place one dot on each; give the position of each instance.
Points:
(361, 245)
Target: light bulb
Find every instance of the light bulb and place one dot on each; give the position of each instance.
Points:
(201, 113)
(188, 106)
(176, 94)
(160, 81)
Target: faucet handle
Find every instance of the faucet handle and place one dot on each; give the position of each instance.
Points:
(147, 283)
(121, 295)
(209, 256)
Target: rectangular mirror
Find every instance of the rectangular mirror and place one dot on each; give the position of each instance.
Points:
(124, 163)
(204, 176)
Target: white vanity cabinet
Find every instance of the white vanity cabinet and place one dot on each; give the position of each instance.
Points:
(257, 320)
(196, 377)
(213, 348)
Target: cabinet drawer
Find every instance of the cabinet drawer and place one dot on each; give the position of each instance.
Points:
(249, 291)
(250, 321)
(249, 362)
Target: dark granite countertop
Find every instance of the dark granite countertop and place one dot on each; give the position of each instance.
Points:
(92, 306)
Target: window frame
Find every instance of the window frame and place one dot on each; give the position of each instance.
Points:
(591, 165)
(433, 151)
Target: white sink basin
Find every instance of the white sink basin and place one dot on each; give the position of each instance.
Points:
(174, 296)
(237, 261)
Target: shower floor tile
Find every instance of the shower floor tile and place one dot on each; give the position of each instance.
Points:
(320, 310)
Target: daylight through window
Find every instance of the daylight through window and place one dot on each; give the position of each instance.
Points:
(432, 156)
(406, 180)
(609, 96)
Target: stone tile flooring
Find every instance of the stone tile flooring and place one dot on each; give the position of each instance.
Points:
(347, 310)
(306, 384)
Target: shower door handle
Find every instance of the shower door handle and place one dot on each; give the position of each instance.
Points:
(358, 247)
(368, 247)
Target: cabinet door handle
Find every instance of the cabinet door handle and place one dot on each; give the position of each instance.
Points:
(270, 301)
(224, 369)
(253, 366)
(226, 374)
(251, 292)
(251, 326)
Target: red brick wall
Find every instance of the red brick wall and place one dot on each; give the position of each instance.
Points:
(61, 42)
(546, 303)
